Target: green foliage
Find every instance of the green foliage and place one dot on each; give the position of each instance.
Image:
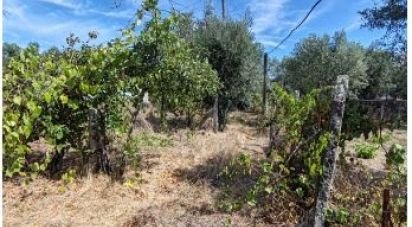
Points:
(294, 168)
(381, 74)
(256, 103)
(240, 166)
(396, 155)
(178, 79)
(317, 61)
(131, 151)
(49, 98)
(132, 147)
(237, 168)
(151, 140)
(380, 139)
(69, 177)
(366, 151)
(230, 48)
(299, 122)
(290, 112)
(396, 179)
(133, 181)
(360, 194)
(264, 184)
(49, 95)
(10, 50)
(392, 16)
(338, 216)
(28, 91)
(229, 205)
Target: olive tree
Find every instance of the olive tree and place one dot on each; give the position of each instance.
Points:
(317, 61)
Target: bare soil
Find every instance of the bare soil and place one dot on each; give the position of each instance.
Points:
(377, 164)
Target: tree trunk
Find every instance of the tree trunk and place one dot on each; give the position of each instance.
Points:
(329, 162)
(135, 113)
(87, 166)
(189, 120)
(386, 211)
(56, 163)
(98, 140)
(104, 160)
(216, 114)
(275, 140)
(93, 132)
(224, 105)
(163, 121)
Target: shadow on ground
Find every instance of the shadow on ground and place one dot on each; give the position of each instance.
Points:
(223, 172)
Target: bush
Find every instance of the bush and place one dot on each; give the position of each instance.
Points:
(256, 104)
(338, 216)
(366, 151)
(69, 177)
(396, 155)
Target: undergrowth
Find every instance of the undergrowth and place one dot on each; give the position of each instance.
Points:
(288, 179)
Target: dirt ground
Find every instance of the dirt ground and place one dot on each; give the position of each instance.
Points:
(377, 164)
(177, 188)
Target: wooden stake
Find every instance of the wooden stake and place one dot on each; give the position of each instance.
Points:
(264, 90)
(386, 211)
(223, 10)
(216, 100)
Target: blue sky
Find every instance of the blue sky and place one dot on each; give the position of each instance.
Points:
(49, 22)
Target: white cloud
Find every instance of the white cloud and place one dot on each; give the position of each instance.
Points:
(13, 8)
(65, 3)
(50, 29)
(322, 8)
(123, 14)
(267, 14)
(273, 19)
(355, 24)
(85, 7)
(269, 43)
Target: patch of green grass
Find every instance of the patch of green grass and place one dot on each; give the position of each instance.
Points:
(366, 151)
(69, 177)
(377, 139)
(151, 140)
(338, 216)
(132, 148)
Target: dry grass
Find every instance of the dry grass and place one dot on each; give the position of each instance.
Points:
(165, 198)
(360, 183)
(178, 187)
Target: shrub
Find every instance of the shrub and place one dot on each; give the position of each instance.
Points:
(396, 155)
(339, 216)
(69, 177)
(256, 103)
(366, 151)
